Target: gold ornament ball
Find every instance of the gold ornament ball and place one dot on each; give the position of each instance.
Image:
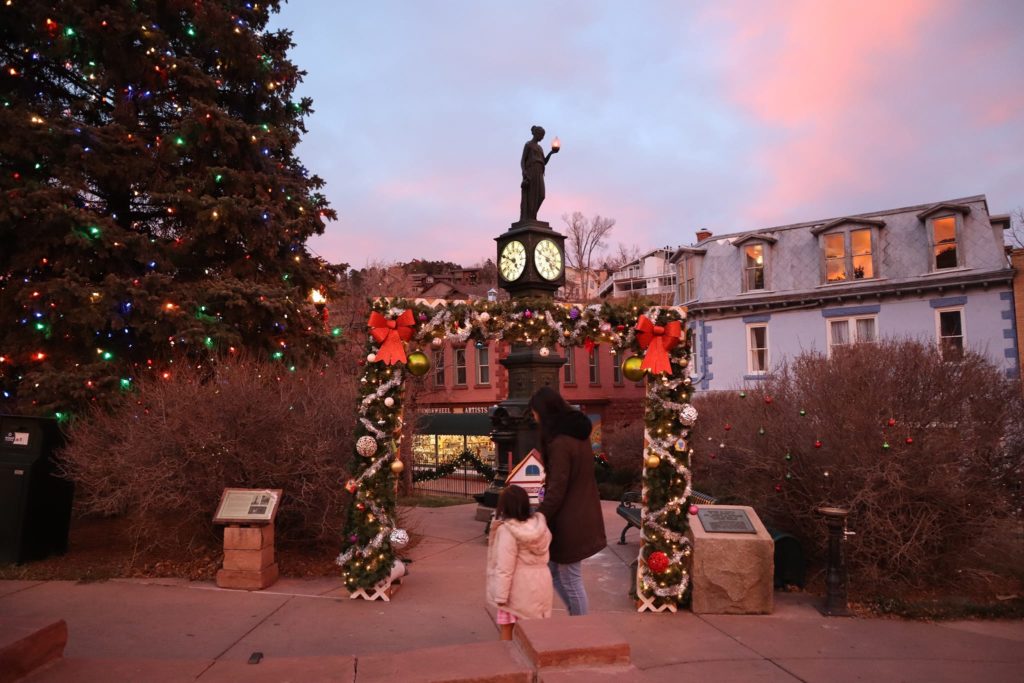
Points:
(632, 368)
(397, 466)
(652, 461)
(418, 363)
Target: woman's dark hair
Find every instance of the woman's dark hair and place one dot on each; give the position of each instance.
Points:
(513, 503)
(550, 406)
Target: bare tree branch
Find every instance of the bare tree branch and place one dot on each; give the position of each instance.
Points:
(585, 239)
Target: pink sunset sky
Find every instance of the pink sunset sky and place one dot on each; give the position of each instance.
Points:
(673, 116)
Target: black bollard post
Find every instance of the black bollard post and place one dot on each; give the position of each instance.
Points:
(835, 580)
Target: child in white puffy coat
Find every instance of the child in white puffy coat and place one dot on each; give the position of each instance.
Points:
(518, 578)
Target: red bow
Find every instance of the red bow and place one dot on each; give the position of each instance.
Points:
(658, 340)
(390, 334)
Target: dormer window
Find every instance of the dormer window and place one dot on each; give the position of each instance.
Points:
(753, 267)
(944, 226)
(754, 261)
(688, 272)
(943, 234)
(848, 249)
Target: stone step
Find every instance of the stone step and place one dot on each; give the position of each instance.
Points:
(571, 642)
(611, 674)
(497, 661)
(27, 645)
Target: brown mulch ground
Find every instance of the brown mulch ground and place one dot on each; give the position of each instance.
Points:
(100, 549)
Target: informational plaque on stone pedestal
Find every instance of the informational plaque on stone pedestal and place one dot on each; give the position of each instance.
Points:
(733, 566)
(247, 506)
(725, 520)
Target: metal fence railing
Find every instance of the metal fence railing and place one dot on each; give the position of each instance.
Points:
(465, 474)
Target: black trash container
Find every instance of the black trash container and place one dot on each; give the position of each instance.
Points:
(35, 503)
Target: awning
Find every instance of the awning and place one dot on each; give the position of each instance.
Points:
(470, 424)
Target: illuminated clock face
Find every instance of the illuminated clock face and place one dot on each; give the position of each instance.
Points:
(547, 257)
(513, 260)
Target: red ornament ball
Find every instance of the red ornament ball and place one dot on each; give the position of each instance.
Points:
(910, 440)
(657, 562)
(728, 426)
(892, 421)
(778, 488)
(768, 399)
(694, 509)
(817, 443)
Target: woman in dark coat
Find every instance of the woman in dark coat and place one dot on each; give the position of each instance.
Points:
(572, 505)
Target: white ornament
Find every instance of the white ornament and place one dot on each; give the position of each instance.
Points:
(389, 401)
(605, 327)
(436, 341)
(484, 317)
(545, 352)
(371, 358)
(688, 415)
(366, 446)
(399, 539)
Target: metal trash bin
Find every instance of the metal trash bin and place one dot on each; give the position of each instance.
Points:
(35, 502)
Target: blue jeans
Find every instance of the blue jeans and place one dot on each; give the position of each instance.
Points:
(568, 581)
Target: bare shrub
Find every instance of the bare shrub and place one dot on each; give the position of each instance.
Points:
(624, 447)
(164, 453)
(925, 453)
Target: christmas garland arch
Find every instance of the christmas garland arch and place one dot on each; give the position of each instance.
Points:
(655, 338)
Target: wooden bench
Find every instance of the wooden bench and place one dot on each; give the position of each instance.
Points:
(629, 509)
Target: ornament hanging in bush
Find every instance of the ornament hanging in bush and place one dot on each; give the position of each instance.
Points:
(657, 562)
(688, 415)
(632, 368)
(366, 446)
(399, 538)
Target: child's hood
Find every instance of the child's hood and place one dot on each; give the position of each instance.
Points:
(533, 534)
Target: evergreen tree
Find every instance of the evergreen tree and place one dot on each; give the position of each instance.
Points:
(153, 207)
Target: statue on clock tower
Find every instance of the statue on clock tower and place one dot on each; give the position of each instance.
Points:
(532, 164)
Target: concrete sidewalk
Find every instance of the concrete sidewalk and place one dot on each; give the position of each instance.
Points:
(189, 627)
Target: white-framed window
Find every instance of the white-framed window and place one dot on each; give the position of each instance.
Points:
(616, 370)
(595, 365)
(949, 331)
(483, 365)
(943, 236)
(854, 330)
(439, 368)
(849, 255)
(688, 278)
(570, 365)
(757, 349)
(460, 367)
(754, 258)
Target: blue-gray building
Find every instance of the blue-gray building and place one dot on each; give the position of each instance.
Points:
(934, 272)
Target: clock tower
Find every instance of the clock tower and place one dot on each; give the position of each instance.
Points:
(531, 265)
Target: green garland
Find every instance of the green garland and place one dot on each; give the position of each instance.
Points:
(465, 458)
(366, 554)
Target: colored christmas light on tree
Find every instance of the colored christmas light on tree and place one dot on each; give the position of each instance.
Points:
(138, 162)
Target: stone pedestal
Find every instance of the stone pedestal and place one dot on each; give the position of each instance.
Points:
(248, 558)
(732, 572)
